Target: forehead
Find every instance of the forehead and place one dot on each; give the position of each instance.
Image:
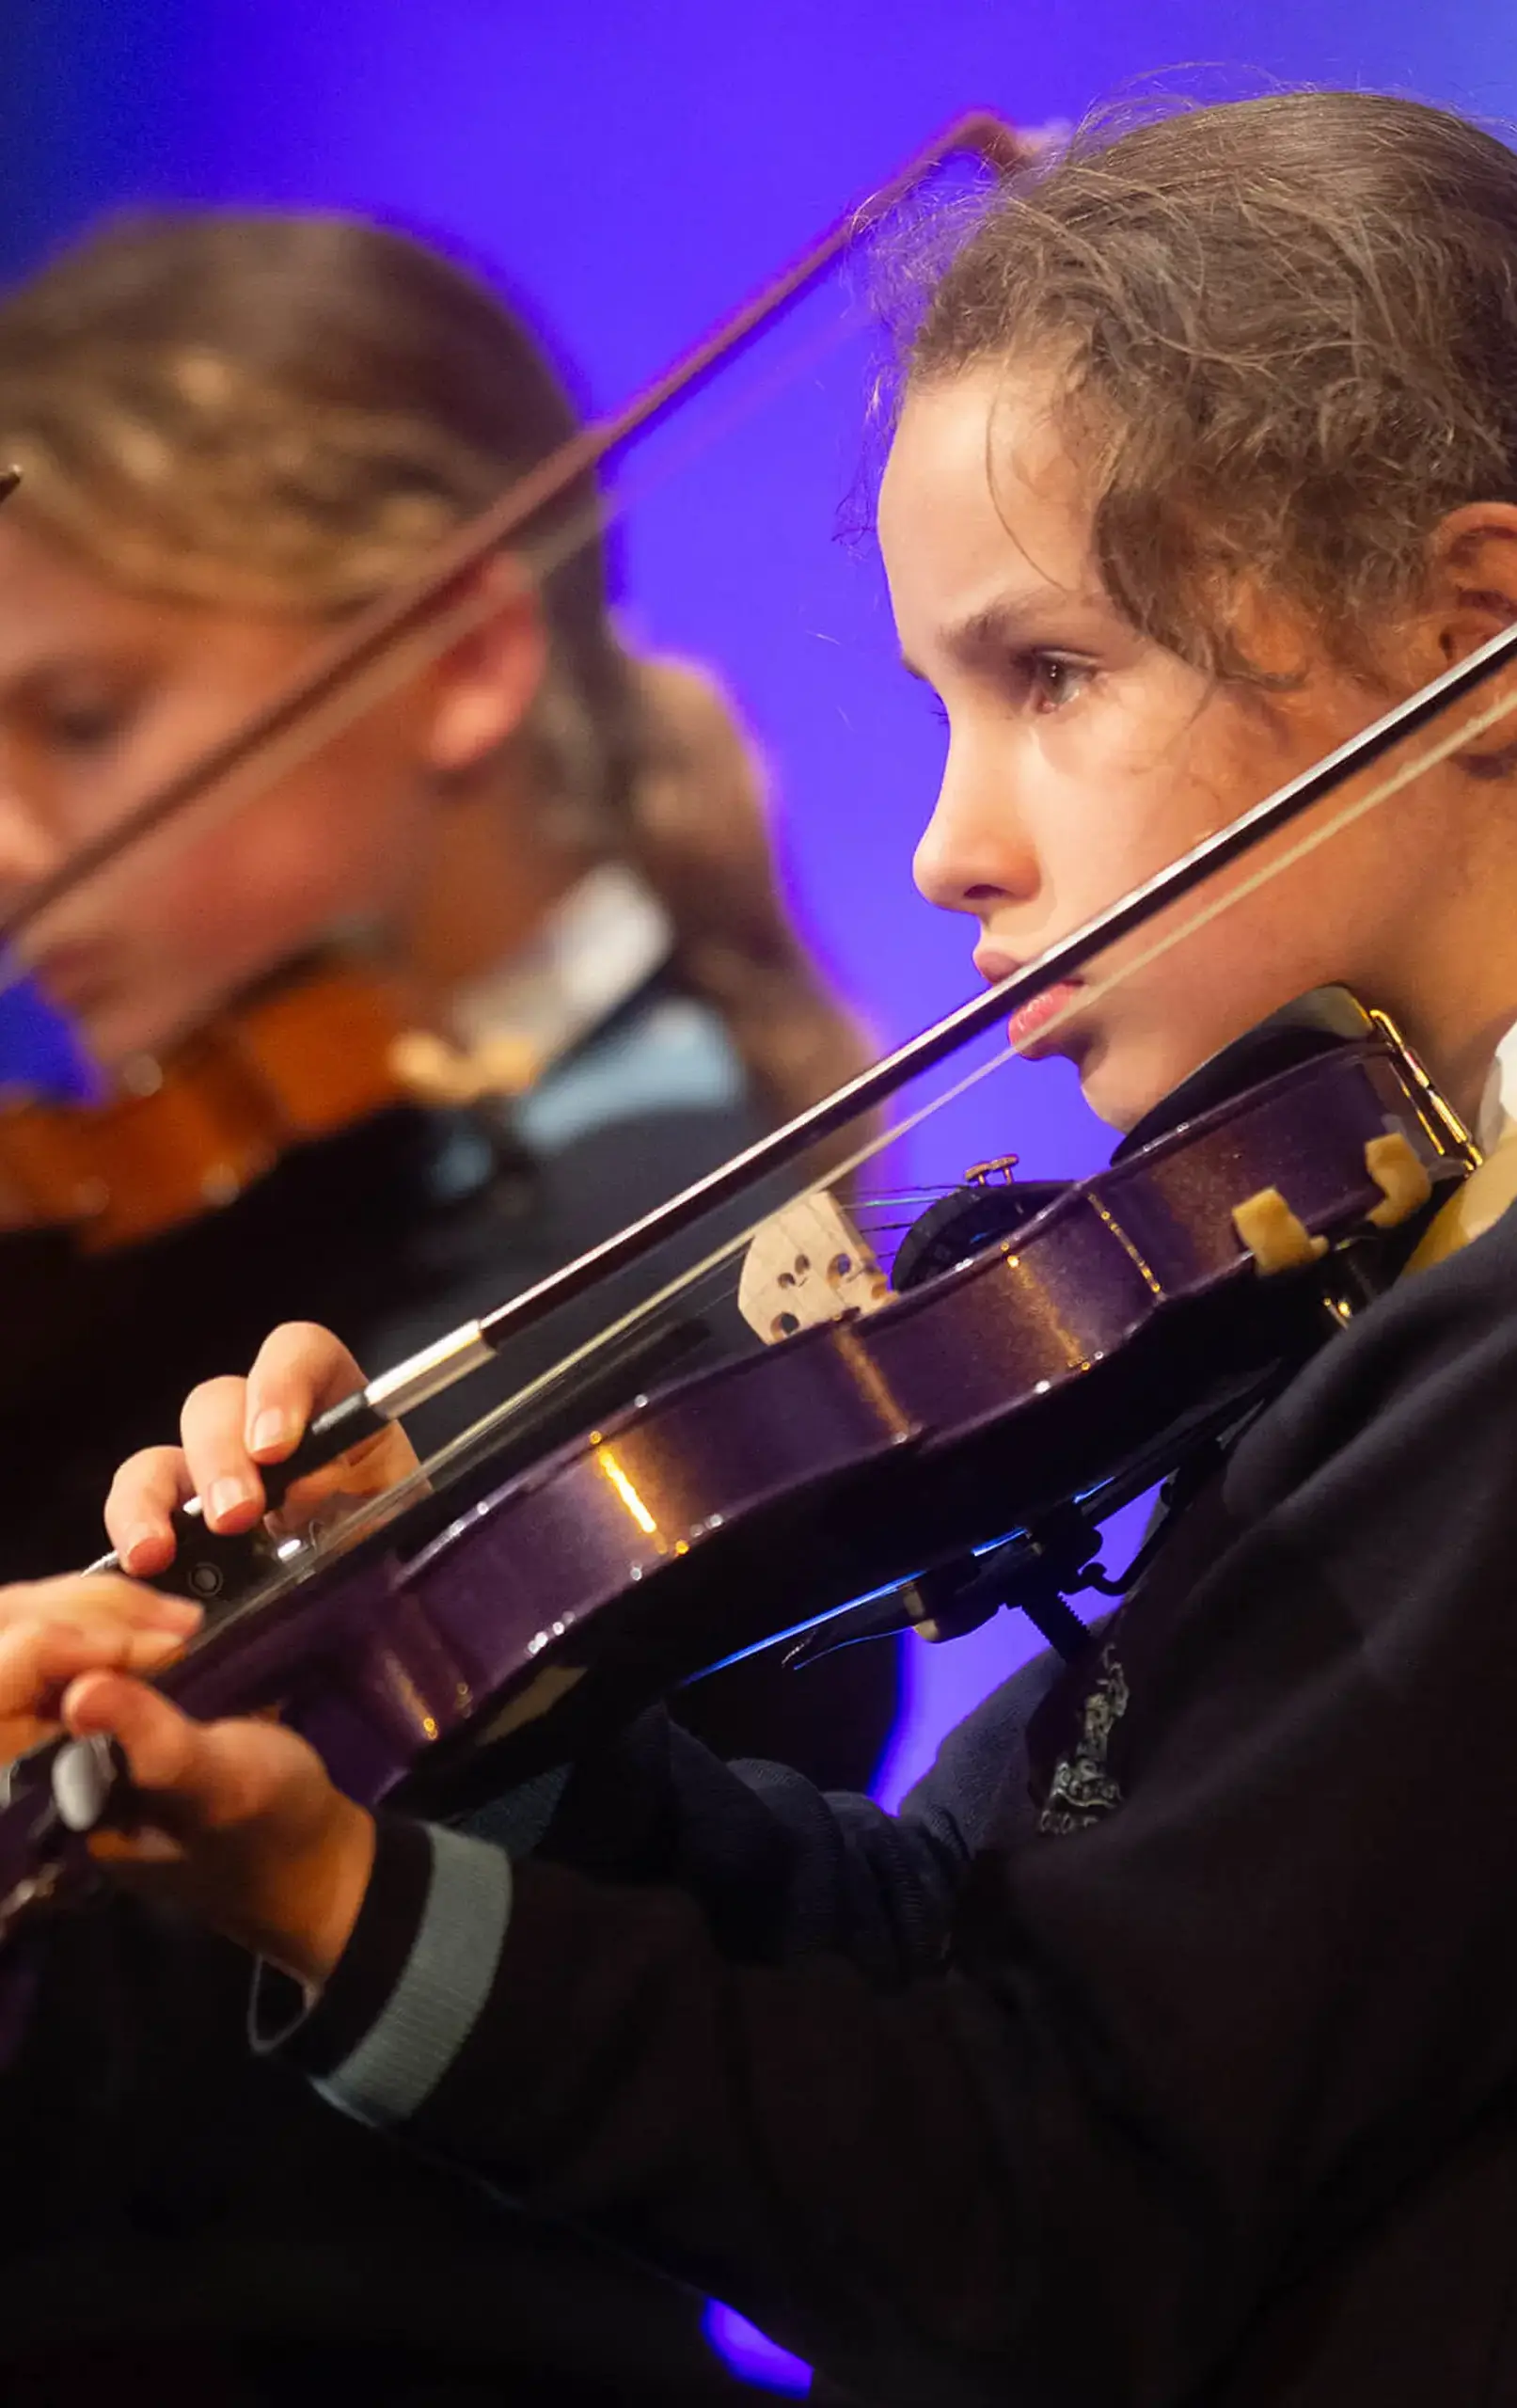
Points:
(980, 488)
(47, 591)
(56, 608)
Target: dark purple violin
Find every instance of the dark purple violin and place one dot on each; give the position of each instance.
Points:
(1078, 1344)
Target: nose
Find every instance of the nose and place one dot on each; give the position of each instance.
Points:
(28, 848)
(975, 852)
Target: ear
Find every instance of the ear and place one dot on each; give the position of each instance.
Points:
(484, 686)
(1472, 576)
(1471, 597)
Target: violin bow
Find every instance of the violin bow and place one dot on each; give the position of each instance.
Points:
(411, 1382)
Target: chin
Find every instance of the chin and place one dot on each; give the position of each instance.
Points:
(1121, 1085)
(1107, 1086)
(111, 1038)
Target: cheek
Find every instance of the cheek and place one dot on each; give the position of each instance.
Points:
(1112, 811)
(324, 847)
(1183, 773)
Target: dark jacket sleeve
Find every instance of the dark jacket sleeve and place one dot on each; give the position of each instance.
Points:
(1166, 2062)
(776, 1867)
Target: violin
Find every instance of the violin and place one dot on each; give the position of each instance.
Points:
(1083, 1346)
(305, 1055)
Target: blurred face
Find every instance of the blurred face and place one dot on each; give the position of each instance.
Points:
(1081, 758)
(102, 695)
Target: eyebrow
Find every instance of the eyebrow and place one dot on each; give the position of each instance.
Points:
(86, 655)
(993, 628)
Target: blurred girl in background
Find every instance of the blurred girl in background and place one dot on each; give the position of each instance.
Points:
(236, 430)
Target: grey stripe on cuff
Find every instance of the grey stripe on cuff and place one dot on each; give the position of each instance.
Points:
(437, 2002)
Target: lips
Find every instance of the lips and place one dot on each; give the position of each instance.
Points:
(993, 966)
(1029, 1019)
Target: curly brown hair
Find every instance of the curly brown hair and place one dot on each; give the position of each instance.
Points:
(1284, 333)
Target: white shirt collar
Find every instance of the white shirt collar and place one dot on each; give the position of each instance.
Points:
(601, 942)
(1497, 1116)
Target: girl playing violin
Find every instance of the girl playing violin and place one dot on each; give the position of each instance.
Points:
(237, 429)
(1164, 2048)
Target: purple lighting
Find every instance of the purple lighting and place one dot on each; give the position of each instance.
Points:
(752, 2355)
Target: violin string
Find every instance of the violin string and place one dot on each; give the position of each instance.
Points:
(873, 1205)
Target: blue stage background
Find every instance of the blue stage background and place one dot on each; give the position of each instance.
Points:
(633, 167)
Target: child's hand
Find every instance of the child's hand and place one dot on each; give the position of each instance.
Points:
(53, 1630)
(239, 1821)
(229, 1427)
(240, 1825)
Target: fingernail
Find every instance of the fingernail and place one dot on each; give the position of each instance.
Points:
(141, 1544)
(271, 1429)
(227, 1496)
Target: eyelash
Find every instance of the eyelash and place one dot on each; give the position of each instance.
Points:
(88, 729)
(1038, 665)
(1029, 668)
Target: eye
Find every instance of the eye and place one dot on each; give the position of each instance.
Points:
(84, 729)
(1054, 678)
(80, 716)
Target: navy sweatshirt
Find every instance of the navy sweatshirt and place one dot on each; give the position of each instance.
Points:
(1163, 2049)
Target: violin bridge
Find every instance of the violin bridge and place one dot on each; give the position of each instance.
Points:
(807, 1265)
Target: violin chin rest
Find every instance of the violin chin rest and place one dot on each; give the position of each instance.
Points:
(964, 1222)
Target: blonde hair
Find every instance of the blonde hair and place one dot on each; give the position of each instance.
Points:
(273, 411)
(282, 411)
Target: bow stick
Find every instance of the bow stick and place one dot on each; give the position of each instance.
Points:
(435, 1368)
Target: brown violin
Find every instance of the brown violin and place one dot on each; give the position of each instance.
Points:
(305, 1056)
